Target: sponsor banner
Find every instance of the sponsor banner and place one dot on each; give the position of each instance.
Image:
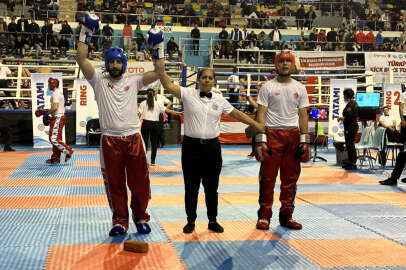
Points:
(320, 62)
(86, 108)
(392, 95)
(41, 99)
(337, 106)
(231, 131)
(381, 62)
(133, 67)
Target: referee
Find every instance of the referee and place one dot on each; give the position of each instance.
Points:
(201, 151)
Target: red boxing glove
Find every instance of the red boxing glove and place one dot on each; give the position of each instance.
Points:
(40, 112)
(303, 151)
(262, 151)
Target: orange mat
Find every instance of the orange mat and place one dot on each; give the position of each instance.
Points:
(233, 231)
(337, 198)
(112, 256)
(351, 252)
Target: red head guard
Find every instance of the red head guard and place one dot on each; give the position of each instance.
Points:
(285, 55)
(53, 83)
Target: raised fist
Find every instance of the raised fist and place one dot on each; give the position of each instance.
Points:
(155, 40)
(91, 24)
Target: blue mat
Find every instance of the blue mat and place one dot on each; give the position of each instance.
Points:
(23, 257)
(26, 235)
(241, 255)
(92, 233)
(35, 167)
(29, 216)
(390, 227)
(365, 210)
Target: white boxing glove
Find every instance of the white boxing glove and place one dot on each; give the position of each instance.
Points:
(155, 39)
(91, 24)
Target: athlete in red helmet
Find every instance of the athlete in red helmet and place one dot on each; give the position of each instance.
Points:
(283, 104)
(56, 124)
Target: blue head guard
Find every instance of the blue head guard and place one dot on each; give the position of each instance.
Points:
(115, 53)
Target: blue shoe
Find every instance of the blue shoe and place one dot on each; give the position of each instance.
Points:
(117, 230)
(142, 227)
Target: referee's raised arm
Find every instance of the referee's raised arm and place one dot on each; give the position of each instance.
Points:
(165, 80)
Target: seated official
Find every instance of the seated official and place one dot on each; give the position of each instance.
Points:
(389, 123)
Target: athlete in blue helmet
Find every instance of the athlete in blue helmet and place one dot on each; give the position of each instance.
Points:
(123, 158)
(115, 54)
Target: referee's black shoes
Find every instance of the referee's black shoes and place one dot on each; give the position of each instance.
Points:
(215, 227)
(389, 182)
(189, 227)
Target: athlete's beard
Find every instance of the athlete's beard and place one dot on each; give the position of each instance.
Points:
(115, 73)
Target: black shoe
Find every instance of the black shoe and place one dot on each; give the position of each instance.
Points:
(403, 180)
(189, 228)
(215, 227)
(350, 167)
(8, 148)
(389, 182)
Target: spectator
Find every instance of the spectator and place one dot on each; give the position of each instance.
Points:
(134, 47)
(22, 25)
(402, 39)
(127, 36)
(33, 28)
(350, 42)
(292, 45)
(389, 123)
(217, 50)
(300, 17)
(63, 45)
(252, 37)
(332, 37)
(379, 38)
(53, 9)
(229, 51)
(195, 35)
(21, 45)
(139, 36)
(360, 39)
(172, 48)
(275, 36)
(244, 33)
(322, 39)
(66, 30)
(107, 16)
(46, 31)
(313, 38)
(106, 44)
(310, 17)
(37, 43)
(54, 46)
(236, 34)
(56, 28)
(3, 26)
(302, 46)
(223, 35)
(4, 73)
(108, 31)
(4, 44)
(12, 30)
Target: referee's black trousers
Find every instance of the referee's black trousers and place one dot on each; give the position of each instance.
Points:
(201, 161)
